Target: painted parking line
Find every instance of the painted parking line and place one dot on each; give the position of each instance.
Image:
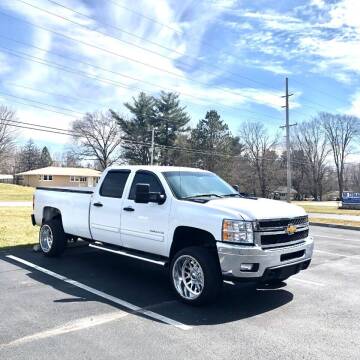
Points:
(335, 254)
(308, 282)
(123, 303)
(72, 326)
(335, 238)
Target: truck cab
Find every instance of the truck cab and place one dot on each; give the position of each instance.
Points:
(188, 220)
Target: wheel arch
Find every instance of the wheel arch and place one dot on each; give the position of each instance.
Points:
(186, 236)
(51, 213)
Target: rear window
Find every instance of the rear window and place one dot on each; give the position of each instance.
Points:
(114, 184)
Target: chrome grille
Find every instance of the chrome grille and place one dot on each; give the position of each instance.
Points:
(276, 239)
(275, 223)
(272, 233)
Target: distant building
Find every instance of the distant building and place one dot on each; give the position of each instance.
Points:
(6, 178)
(281, 191)
(59, 176)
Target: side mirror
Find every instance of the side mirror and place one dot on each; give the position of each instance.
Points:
(144, 196)
(236, 188)
(142, 193)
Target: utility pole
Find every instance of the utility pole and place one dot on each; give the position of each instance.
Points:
(152, 145)
(287, 127)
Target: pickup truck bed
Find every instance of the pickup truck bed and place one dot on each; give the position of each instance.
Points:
(75, 221)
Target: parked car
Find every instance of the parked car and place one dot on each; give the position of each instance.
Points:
(189, 220)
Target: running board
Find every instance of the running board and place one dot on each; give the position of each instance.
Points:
(129, 254)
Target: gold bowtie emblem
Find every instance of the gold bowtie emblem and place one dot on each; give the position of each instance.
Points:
(291, 229)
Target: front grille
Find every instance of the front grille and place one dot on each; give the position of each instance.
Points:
(263, 224)
(276, 239)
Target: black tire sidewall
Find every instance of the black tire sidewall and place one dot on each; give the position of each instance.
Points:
(209, 263)
(59, 239)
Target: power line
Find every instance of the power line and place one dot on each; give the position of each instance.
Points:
(113, 82)
(89, 101)
(127, 76)
(215, 48)
(319, 91)
(145, 49)
(117, 54)
(42, 108)
(180, 32)
(66, 132)
(159, 45)
(41, 103)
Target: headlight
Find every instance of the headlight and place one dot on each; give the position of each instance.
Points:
(238, 231)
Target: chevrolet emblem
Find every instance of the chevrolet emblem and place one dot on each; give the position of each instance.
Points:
(291, 229)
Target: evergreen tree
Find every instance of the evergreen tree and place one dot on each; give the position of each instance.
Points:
(212, 141)
(137, 129)
(171, 121)
(45, 158)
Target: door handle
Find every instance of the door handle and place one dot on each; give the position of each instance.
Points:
(98, 204)
(129, 208)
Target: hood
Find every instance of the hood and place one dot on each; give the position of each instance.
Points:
(256, 209)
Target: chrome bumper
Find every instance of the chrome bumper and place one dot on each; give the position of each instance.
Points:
(231, 256)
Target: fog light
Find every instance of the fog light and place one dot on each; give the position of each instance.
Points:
(246, 267)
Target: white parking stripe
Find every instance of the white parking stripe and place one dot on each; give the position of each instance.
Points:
(308, 282)
(111, 298)
(335, 254)
(75, 325)
(336, 238)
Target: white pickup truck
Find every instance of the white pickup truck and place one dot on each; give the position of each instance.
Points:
(188, 220)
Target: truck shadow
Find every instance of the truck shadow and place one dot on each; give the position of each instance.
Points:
(146, 286)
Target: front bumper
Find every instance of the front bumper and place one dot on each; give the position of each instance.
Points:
(269, 261)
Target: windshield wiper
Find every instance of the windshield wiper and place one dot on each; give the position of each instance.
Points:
(232, 195)
(202, 195)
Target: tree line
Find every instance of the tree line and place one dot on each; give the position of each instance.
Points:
(252, 158)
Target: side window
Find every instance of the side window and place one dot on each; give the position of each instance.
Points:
(146, 178)
(114, 183)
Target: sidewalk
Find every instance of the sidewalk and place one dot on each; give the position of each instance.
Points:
(335, 216)
(15, 203)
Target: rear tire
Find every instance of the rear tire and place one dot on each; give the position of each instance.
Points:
(195, 275)
(52, 239)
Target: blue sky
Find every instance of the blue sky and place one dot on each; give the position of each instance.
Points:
(228, 55)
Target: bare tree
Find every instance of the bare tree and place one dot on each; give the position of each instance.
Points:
(97, 136)
(7, 133)
(260, 152)
(341, 131)
(311, 140)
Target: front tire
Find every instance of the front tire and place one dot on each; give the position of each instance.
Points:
(195, 275)
(52, 239)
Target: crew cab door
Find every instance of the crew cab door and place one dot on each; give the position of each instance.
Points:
(144, 226)
(105, 208)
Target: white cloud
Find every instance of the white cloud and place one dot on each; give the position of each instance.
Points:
(110, 95)
(4, 64)
(355, 105)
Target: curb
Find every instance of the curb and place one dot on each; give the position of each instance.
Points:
(345, 227)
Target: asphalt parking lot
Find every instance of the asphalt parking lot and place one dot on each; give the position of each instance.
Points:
(94, 305)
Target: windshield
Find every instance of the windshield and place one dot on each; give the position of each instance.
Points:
(187, 184)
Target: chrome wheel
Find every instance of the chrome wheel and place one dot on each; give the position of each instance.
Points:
(188, 277)
(46, 238)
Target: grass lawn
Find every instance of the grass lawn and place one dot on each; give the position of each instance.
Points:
(10, 192)
(318, 209)
(335, 221)
(16, 228)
